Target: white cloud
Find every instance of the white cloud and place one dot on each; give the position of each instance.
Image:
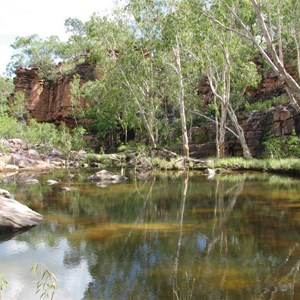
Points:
(45, 18)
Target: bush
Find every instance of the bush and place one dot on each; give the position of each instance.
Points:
(293, 145)
(278, 147)
(44, 136)
(10, 127)
(266, 104)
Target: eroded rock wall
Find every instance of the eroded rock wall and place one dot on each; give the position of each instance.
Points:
(49, 101)
(258, 125)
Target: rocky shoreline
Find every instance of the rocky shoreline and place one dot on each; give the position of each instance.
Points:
(19, 157)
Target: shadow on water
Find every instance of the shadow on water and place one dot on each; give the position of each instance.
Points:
(7, 234)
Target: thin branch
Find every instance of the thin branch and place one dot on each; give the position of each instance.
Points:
(212, 120)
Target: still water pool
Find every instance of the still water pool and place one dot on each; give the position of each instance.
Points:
(170, 236)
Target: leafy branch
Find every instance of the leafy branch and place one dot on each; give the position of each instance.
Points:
(47, 284)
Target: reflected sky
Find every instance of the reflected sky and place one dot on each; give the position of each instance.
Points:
(17, 259)
(231, 237)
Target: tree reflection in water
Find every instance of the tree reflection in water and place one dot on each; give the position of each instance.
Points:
(169, 237)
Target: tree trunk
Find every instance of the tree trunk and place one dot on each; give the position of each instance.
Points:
(222, 131)
(291, 86)
(185, 139)
(297, 43)
(240, 132)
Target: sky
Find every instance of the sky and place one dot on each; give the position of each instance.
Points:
(44, 18)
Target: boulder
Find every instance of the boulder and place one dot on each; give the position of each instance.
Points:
(52, 181)
(16, 216)
(107, 176)
(22, 161)
(31, 181)
(5, 194)
(209, 172)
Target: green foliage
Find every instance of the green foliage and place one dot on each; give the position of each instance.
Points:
(134, 147)
(47, 283)
(67, 140)
(40, 134)
(266, 104)
(274, 147)
(293, 145)
(10, 127)
(278, 147)
(76, 48)
(6, 89)
(3, 284)
(17, 108)
(78, 110)
(44, 136)
(33, 50)
(169, 164)
(282, 165)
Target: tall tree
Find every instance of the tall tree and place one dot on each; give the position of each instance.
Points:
(128, 64)
(223, 61)
(33, 50)
(266, 32)
(159, 22)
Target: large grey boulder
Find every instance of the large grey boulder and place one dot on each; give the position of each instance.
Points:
(15, 216)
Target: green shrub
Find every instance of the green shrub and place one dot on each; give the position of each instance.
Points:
(278, 147)
(44, 136)
(10, 127)
(266, 104)
(293, 145)
(274, 147)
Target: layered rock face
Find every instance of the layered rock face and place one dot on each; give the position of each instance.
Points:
(49, 101)
(258, 125)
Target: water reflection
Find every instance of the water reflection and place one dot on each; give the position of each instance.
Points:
(179, 237)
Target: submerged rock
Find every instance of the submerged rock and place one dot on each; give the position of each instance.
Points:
(52, 181)
(30, 181)
(67, 189)
(107, 176)
(15, 216)
(209, 172)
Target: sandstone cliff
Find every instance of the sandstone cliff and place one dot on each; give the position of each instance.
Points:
(49, 101)
(278, 121)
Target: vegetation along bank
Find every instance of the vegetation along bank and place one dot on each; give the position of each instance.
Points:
(173, 82)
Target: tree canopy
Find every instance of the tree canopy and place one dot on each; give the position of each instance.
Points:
(153, 55)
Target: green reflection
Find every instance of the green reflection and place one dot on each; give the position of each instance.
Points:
(174, 237)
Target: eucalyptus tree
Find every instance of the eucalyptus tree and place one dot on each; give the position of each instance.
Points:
(128, 76)
(162, 26)
(291, 19)
(33, 50)
(147, 82)
(226, 65)
(173, 35)
(271, 26)
(77, 47)
(47, 52)
(108, 100)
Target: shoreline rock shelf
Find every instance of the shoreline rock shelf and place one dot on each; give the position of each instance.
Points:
(16, 216)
